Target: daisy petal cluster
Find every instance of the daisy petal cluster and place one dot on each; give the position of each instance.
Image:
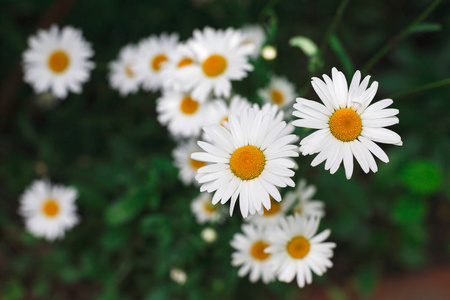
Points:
(121, 76)
(302, 196)
(254, 35)
(348, 124)
(279, 91)
(205, 211)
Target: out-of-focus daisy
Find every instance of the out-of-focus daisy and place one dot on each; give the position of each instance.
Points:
(236, 105)
(250, 254)
(297, 250)
(249, 159)
(178, 59)
(348, 125)
(186, 165)
(205, 211)
(49, 210)
(302, 197)
(183, 114)
(272, 216)
(152, 55)
(179, 276)
(221, 58)
(279, 91)
(122, 77)
(254, 35)
(57, 61)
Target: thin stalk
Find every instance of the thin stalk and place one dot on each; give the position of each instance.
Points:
(386, 48)
(337, 17)
(425, 87)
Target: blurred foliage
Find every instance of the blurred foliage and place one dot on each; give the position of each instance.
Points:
(136, 221)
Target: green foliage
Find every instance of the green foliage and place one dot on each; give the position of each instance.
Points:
(423, 177)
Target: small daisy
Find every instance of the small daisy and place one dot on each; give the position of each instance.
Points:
(178, 59)
(49, 210)
(304, 205)
(255, 35)
(249, 158)
(186, 165)
(297, 250)
(237, 104)
(122, 77)
(183, 114)
(57, 61)
(152, 55)
(221, 57)
(279, 91)
(205, 211)
(271, 217)
(348, 125)
(250, 254)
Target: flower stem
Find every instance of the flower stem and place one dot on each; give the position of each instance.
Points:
(337, 17)
(386, 48)
(425, 87)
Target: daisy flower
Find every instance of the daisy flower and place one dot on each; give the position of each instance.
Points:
(254, 35)
(302, 197)
(279, 91)
(152, 55)
(183, 114)
(271, 217)
(205, 211)
(178, 59)
(121, 76)
(249, 158)
(297, 250)
(348, 125)
(49, 210)
(221, 57)
(250, 254)
(186, 165)
(57, 61)
(236, 105)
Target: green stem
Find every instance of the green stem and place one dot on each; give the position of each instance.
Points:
(422, 88)
(337, 17)
(386, 48)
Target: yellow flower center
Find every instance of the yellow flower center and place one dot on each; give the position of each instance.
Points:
(157, 61)
(58, 61)
(188, 105)
(224, 120)
(345, 124)
(247, 162)
(298, 209)
(50, 208)
(277, 96)
(257, 250)
(274, 208)
(184, 62)
(209, 207)
(128, 71)
(214, 65)
(298, 247)
(196, 164)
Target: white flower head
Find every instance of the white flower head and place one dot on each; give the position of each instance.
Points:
(179, 58)
(152, 55)
(250, 255)
(302, 196)
(297, 250)
(271, 217)
(250, 157)
(254, 34)
(186, 165)
(121, 76)
(49, 210)
(236, 105)
(279, 91)
(205, 211)
(347, 124)
(57, 61)
(221, 57)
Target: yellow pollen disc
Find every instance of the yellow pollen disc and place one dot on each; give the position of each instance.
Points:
(157, 61)
(128, 71)
(345, 124)
(58, 61)
(184, 62)
(196, 164)
(247, 162)
(209, 208)
(298, 247)
(188, 105)
(274, 208)
(257, 250)
(224, 120)
(214, 65)
(277, 96)
(50, 208)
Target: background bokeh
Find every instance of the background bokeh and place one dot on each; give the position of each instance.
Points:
(136, 223)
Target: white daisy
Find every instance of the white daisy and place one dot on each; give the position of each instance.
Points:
(297, 250)
(183, 114)
(302, 197)
(205, 211)
(221, 57)
(271, 217)
(121, 76)
(279, 91)
(249, 158)
(348, 125)
(57, 61)
(49, 210)
(186, 165)
(236, 105)
(250, 254)
(255, 35)
(178, 59)
(153, 54)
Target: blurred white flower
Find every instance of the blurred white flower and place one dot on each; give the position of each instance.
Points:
(302, 197)
(254, 34)
(209, 235)
(178, 276)
(121, 76)
(280, 92)
(204, 211)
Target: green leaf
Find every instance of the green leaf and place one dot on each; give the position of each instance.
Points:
(409, 210)
(306, 45)
(13, 290)
(426, 27)
(423, 177)
(366, 279)
(341, 54)
(125, 209)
